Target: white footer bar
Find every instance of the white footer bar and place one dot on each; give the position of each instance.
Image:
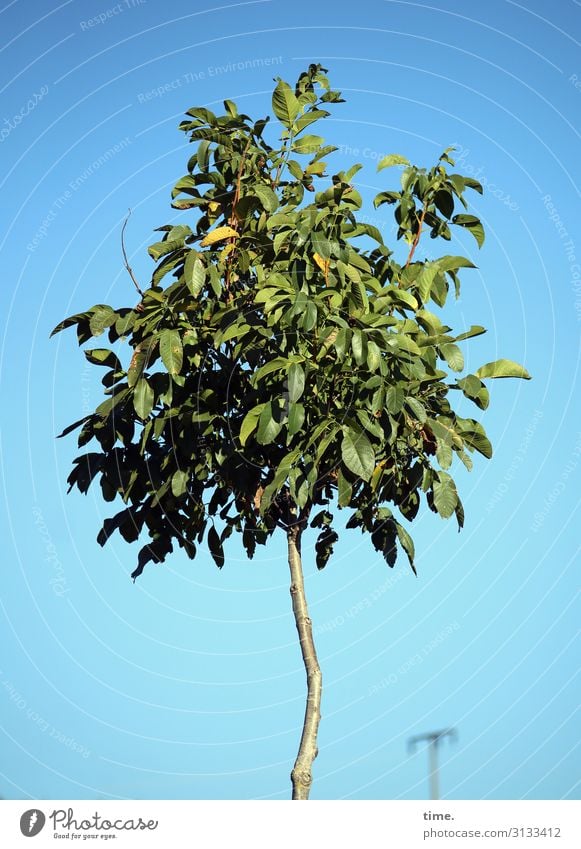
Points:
(283, 825)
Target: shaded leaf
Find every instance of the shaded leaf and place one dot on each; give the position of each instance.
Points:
(103, 357)
(407, 544)
(324, 546)
(143, 398)
(473, 225)
(296, 418)
(215, 546)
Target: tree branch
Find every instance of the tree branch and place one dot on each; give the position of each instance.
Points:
(233, 221)
(417, 236)
(125, 260)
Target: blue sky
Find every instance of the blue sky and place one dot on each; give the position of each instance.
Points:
(189, 684)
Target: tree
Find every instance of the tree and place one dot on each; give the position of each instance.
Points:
(284, 363)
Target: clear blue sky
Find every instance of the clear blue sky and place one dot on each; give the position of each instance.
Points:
(189, 684)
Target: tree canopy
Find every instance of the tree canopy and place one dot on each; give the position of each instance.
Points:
(283, 364)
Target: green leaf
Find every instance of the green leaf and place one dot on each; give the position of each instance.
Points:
(171, 350)
(373, 356)
(453, 356)
(70, 322)
(269, 425)
(425, 280)
(194, 273)
(392, 159)
(479, 442)
(417, 408)
(103, 357)
(474, 436)
(359, 346)
(503, 368)
(406, 543)
(296, 418)
(179, 483)
(202, 155)
(283, 471)
(250, 422)
(452, 263)
(159, 249)
(444, 455)
(357, 453)
(299, 486)
(359, 294)
(284, 104)
(475, 330)
(102, 317)
(309, 118)
(137, 364)
(475, 390)
(296, 382)
(231, 108)
(403, 298)
(295, 169)
(143, 398)
(345, 489)
(442, 430)
(309, 317)
(473, 225)
(445, 495)
(307, 144)
(370, 424)
(473, 184)
(267, 197)
(394, 399)
(342, 342)
(278, 364)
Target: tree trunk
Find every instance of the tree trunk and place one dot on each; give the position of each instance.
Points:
(301, 775)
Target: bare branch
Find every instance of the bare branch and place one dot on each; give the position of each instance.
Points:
(125, 260)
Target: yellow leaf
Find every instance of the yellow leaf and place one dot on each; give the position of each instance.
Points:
(225, 251)
(218, 235)
(322, 263)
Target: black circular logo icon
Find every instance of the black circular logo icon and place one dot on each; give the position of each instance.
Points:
(32, 822)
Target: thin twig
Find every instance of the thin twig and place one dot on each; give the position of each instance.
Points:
(417, 236)
(234, 220)
(126, 261)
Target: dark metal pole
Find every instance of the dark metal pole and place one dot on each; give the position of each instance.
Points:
(433, 739)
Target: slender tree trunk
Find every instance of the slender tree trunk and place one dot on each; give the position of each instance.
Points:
(301, 775)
